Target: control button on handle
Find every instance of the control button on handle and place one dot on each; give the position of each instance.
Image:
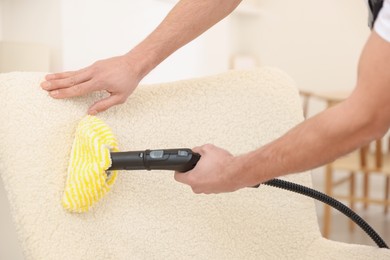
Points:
(156, 154)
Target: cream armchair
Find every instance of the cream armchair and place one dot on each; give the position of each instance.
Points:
(147, 215)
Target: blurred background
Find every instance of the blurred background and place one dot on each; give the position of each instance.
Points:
(317, 42)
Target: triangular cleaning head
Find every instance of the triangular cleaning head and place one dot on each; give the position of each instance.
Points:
(87, 180)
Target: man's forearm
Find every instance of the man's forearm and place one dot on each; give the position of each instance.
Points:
(314, 142)
(186, 21)
(363, 117)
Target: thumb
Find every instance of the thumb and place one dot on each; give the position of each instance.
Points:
(184, 177)
(104, 104)
(198, 149)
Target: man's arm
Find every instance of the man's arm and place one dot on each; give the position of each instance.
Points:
(186, 21)
(120, 75)
(363, 117)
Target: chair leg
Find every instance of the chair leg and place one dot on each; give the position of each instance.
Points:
(366, 185)
(305, 106)
(351, 198)
(327, 209)
(387, 194)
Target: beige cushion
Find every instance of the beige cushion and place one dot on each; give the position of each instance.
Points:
(147, 215)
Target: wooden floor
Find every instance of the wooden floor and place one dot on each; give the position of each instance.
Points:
(374, 215)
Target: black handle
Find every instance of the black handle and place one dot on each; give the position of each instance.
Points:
(180, 160)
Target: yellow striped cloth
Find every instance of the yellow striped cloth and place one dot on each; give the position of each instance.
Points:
(87, 180)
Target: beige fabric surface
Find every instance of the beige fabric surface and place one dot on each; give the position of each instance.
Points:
(147, 215)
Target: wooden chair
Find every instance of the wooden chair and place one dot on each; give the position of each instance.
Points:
(370, 159)
(330, 98)
(305, 96)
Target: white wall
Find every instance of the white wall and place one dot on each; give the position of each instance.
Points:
(36, 22)
(81, 32)
(113, 28)
(317, 42)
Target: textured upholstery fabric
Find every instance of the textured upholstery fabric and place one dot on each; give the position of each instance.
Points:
(147, 215)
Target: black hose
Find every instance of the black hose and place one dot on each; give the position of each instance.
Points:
(331, 202)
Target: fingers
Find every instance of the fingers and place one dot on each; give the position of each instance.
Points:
(198, 149)
(85, 88)
(105, 103)
(185, 178)
(204, 148)
(65, 80)
(73, 91)
(65, 74)
(60, 75)
(111, 75)
(181, 177)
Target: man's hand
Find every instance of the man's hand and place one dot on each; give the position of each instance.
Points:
(217, 171)
(115, 75)
(120, 75)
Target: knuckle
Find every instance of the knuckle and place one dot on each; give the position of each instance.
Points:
(100, 64)
(56, 94)
(94, 69)
(208, 146)
(59, 75)
(77, 89)
(100, 84)
(95, 64)
(71, 81)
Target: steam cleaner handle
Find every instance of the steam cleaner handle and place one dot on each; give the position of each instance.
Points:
(181, 160)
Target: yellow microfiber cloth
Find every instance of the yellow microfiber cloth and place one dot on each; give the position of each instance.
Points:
(87, 180)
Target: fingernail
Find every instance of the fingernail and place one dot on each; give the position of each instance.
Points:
(54, 93)
(46, 85)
